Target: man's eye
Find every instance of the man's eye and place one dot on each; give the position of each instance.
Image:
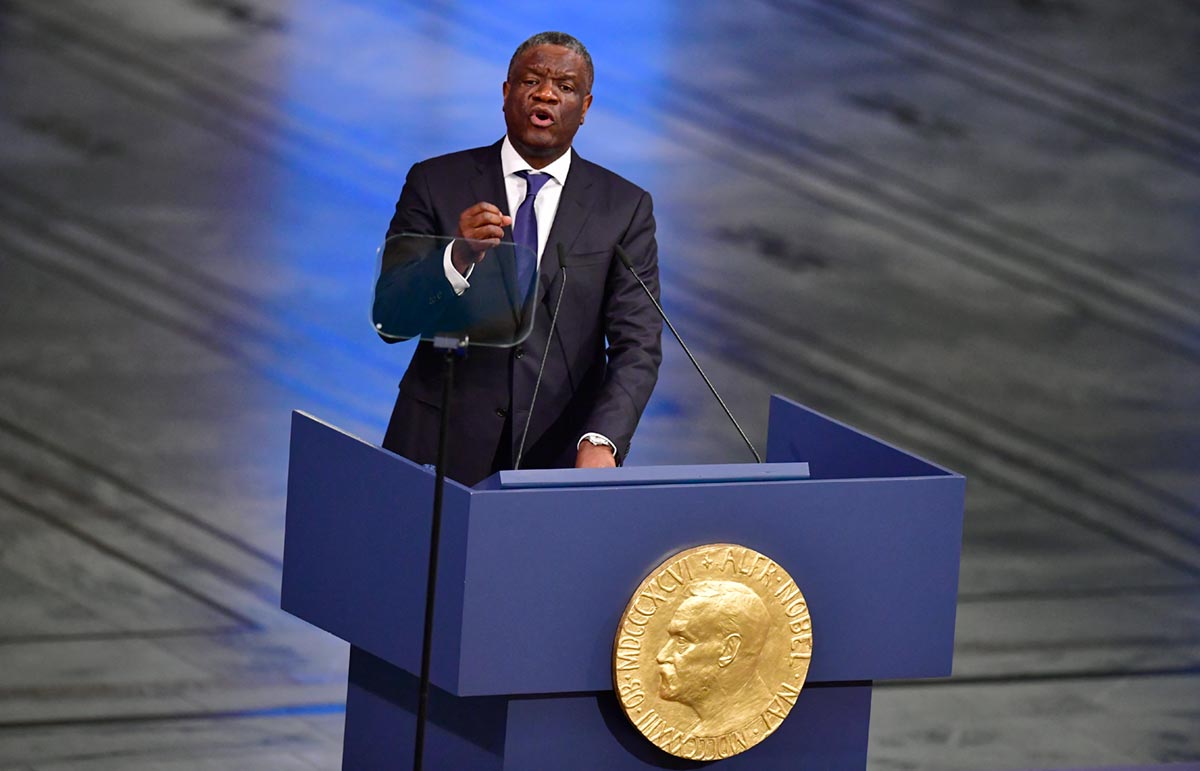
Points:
(567, 87)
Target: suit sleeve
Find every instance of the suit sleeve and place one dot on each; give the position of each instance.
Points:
(412, 293)
(633, 330)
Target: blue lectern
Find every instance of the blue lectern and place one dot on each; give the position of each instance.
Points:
(537, 566)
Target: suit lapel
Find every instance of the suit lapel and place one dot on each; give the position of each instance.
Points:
(488, 182)
(573, 210)
(488, 185)
(574, 207)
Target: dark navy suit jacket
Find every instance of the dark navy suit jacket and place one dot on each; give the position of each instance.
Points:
(603, 361)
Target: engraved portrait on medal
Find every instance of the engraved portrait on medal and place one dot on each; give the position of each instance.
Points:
(712, 651)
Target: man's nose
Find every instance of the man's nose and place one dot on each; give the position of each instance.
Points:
(546, 93)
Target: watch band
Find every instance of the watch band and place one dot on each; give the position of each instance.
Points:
(598, 440)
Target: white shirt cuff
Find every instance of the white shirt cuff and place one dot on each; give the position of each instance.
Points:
(458, 282)
(598, 437)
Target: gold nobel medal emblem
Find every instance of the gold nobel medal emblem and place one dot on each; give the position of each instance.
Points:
(712, 651)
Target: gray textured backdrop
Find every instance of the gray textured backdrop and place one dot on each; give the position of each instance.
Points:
(970, 228)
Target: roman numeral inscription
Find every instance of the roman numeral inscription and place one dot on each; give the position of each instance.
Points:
(712, 651)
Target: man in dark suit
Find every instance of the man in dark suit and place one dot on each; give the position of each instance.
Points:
(603, 359)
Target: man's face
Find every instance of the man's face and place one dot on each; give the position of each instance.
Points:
(687, 663)
(545, 99)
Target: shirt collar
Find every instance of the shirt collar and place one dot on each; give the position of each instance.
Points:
(511, 162)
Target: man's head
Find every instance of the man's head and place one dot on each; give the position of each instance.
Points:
(713, 640)
(546, 95)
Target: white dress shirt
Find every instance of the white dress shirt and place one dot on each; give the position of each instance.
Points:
(545, 206)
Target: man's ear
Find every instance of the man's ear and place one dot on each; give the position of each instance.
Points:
(504, 92)
(587, 102)
(729, 650)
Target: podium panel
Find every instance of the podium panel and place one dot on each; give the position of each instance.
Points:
(536, 568)
(583, 732)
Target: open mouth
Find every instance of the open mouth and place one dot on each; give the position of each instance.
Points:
(541, 118)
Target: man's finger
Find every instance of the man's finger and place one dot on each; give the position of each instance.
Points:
(483, 222)
(485, 231)
(483, 207)
(488, 218)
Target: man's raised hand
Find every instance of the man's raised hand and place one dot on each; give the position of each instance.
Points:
(479, 228)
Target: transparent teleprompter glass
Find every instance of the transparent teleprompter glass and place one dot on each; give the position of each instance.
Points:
(414, 297)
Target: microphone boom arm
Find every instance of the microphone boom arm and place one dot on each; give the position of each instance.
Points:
(629, 264)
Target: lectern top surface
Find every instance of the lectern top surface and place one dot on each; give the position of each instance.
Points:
(647, 475)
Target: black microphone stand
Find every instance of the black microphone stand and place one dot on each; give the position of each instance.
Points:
(455, 348)
(628, 263)
(562, 289)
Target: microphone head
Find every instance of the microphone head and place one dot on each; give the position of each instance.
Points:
(562, 255)
(628, 263)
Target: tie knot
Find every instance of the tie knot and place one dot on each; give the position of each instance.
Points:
(533, 182)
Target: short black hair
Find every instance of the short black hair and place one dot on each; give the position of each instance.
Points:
(556, 39)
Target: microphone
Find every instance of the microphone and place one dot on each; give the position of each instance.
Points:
(562, 288)
(628, 263)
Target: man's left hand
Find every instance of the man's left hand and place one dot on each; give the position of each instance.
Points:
(595, 456)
